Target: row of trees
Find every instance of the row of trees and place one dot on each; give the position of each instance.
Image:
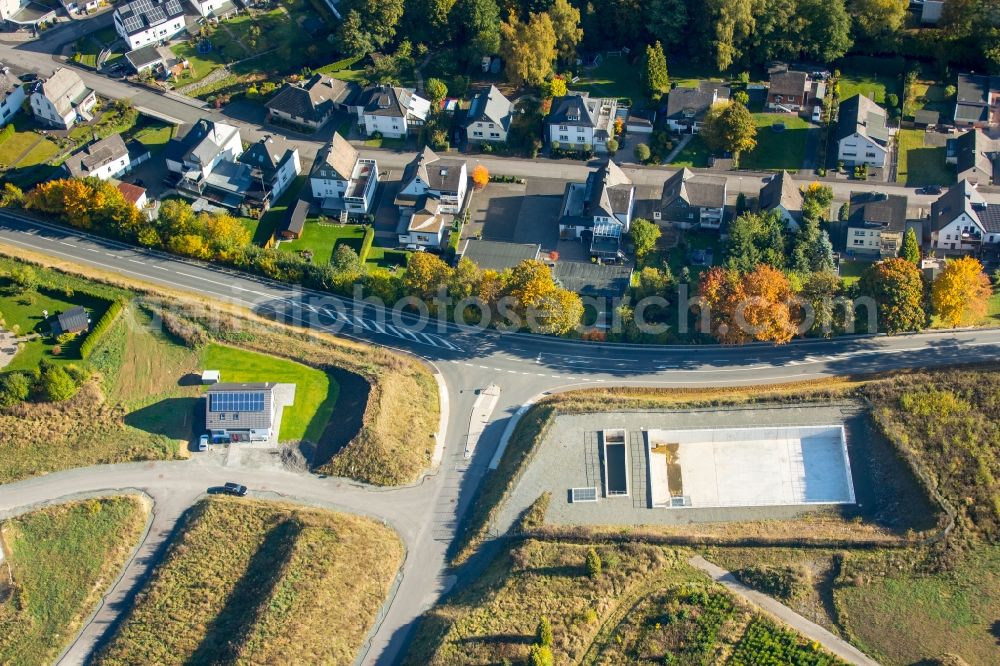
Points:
(46, 383)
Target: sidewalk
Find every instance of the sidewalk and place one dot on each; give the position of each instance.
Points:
(834, 644)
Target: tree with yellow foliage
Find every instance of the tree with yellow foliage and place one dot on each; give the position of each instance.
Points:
(960, 292)
(425, 274)
(528, 48)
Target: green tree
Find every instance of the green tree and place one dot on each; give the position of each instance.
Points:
(644, 236)
(666, 20)
(543, 634)
(911, 248)
(352, 37)
(476, 24)
(729, 127)
(376, 22)
(345, 262)
(642, 153)
(57, 385)
(612, 146)
(898, 292)
(23, 278)
(594, 564)
(819, 291)
(436, 92)
(529, 48)
(754, 239)
(828, 32)
(427, 21)
(566, 24)
(878, 18)
(733, 22)
(540, 655)
(655, 71)
(15, 388)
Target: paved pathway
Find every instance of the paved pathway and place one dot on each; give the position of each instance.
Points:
(685, 140)
(832, 643)
(8, 347)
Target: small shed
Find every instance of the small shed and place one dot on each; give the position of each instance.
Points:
(74, 320)
(295, 221)
(926, 118)
(211, 377)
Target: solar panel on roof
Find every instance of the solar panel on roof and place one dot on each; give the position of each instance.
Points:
(250, 401)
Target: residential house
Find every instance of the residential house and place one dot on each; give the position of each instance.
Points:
(489, 117)
(274, 163)
(311, 103)
(240, 412)
(25, 13)
(134, 194)
(687, 107)
(141, 22)
(976, 157)
(781, 194)
(74, 320)
(445, 179)
(578, 120)
(963, 222)
(876, 223)
(217, 9)
(862, 133)
(391, 111)
(12, 95)
(205, 164)
(497, 255)
(977, 101)
(794, 92)
(422, 225)
(692, 201)
(62, 99)
(341, 180)
(599, 211)
(600, 281)
(105, 159)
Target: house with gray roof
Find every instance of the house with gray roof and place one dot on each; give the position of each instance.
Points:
(599, 211)
(876, 223)
(781, 194)
(310, 104)
(205, 164)
(442, 178)
(240, 412)
(687, 107)
(977, 101)
(497, 255)
(863, 135)
(976, 157)
(12, 95)
(74, 320)
(578, 120)
(62, 100)
(274, 163)
(962, 222)
(489, 117)
(691, 201)
(341, 180)
(391, 111)
(105, 158)
(142, 22)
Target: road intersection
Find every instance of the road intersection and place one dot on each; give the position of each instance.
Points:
(524, 367)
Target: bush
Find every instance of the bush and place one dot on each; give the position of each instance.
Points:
(782, 582)
(14, 389)
(100, 328)
(642, 153)
(543, 635)
(6, 132)
(541, 655)
(190, 333)
(594, 567)
(57, 385)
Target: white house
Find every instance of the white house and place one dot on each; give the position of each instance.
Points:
(391, 111)
(599, 211)
(62, 99)
(489, 117)
(11, 95)
(445, 179)
(962, 221)
(578, 120)
(134, 194)
(274, 163)
(214, 8)
(876, 224)
(105, 159)
(423, 225)
(142, 22)
(205, 164)
(687, 107)
(862, 133)
(341, 180)
(691, 201)
(25, 12)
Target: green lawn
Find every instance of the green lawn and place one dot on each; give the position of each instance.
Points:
(387, 143)
(202, 64)
(851, 271)
(323, 238)
(23, 314)
(873, 77)
(41, 149)
(871, 86)
(614, 77)
(920, 164)
(927, 95)
(695, 154)
(154, 135)
(381, 257)
(778, 150)
(315, 391)
(271, 221)
(62, 559)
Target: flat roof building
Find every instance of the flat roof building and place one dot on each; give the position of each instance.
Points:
(240, 412)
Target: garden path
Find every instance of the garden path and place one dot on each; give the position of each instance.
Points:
(8, 347)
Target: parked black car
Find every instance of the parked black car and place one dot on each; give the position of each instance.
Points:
(930, 189)
(229, 488)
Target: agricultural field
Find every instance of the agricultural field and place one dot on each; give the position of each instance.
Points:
(62, 558)
(260, 594)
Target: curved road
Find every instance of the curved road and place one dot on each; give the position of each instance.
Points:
(523, 366)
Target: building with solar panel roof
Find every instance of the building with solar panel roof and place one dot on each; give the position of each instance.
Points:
(142, 22)
(240, 412)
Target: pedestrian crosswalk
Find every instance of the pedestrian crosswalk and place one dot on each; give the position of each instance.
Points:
(337, 320)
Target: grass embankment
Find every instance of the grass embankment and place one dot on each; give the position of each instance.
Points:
(62, 559)
(647, 606)
(250, 582)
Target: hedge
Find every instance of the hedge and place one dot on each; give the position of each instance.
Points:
(100, 328)
(366, 244)
(6, 132)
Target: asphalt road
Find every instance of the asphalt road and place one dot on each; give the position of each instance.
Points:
(523, 366)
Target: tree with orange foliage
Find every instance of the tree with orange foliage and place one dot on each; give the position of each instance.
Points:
(960, 292)
(480, 177)
(750, 307)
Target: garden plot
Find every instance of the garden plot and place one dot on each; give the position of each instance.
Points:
(736, 467)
